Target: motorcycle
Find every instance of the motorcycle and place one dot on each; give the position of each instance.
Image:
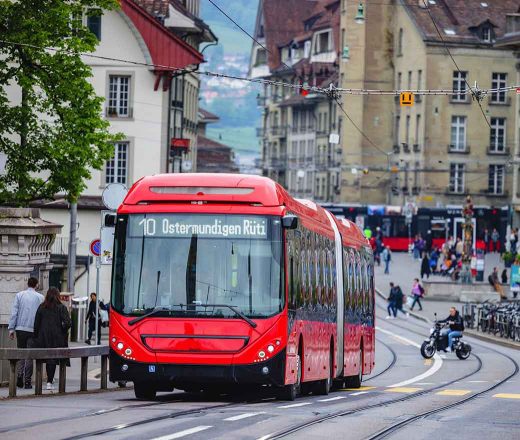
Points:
(437, 342)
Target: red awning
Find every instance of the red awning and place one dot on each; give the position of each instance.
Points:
(166, 49)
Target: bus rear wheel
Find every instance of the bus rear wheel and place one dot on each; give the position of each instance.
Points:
(355, 381)
(323, 386)
(144, 391)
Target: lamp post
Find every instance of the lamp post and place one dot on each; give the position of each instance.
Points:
(467, 230)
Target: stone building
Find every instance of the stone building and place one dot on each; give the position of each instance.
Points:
(441, 148)
(302, 42)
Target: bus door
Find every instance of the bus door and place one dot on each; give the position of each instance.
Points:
(458, 229)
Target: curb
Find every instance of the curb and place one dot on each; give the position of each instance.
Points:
(413, 314)
(492, 339)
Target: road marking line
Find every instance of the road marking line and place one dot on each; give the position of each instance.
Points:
(453, 392)
(507, 396)
(265, 437)
(243, 416)
(358, 389)
(437, 362)
(332, 399)
(359, 393)
(183, 433)
(294, 405)
(428, 362)
(425, 383)
(402, 390)
(478, 381)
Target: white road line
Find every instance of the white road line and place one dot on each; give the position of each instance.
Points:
(425, 383)
(437, 361)
(265, 437)
(332, 399)
(478, 381)
(294, 405)
(242, 416)
(183, 433)
(359, 393)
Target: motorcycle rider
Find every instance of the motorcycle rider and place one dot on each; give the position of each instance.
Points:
(456, 327)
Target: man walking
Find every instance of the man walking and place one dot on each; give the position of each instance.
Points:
(387, 257)
(25, 305)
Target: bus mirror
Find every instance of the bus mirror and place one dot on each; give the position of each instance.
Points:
(110, 220)
(290, 221)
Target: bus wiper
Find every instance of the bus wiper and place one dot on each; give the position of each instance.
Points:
(154, 311)
(233, 309)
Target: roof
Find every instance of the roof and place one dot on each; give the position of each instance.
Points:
(204, 142)
(207, 116)
(60, 202)
(462, 17)
(155, 7)
(166, 49)
(282, 21)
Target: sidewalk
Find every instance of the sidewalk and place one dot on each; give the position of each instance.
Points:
(73, 377)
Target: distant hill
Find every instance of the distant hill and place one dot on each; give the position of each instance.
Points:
(233, 101)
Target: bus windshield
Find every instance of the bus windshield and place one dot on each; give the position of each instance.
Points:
(178, 264)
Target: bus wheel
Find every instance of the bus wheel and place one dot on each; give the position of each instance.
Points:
(290, 392)
(323, 386)
(355, 381)
(144, 391)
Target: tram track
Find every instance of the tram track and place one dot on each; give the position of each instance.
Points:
(392, 363)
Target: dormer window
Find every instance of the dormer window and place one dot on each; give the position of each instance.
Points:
(323, 42)
(261, 57)
(307, 49)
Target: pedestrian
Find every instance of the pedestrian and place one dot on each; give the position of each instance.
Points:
(391, 308)
(504, 276)
(51, 327)
(25, 305)
(379, 248)
(91, 318)
(495, 240)
(495, 282)
(512, 242)
(417, 293)
(425, 266)
(459, 248)
(429, 241)
(416, 254)
(486, 238)
(399, 298)
(386, 255)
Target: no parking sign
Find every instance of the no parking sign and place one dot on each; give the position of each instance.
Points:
(95, 247)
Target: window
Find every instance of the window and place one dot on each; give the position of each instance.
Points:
(323, 42)
(458, 133)
(486, 34)
(499, 81)
(400, 43)
(261, 57)
(417, 128)
(409, 80)
(397, 138)
(119, 96)
(496, 179)
(419, 79)
(407, 140)
(94, 22)
(399, 80)
(457, 178)
(459, 86)
(117, 167)
(307, 49)
(498, 135)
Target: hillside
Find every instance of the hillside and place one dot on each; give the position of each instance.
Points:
(233, 100)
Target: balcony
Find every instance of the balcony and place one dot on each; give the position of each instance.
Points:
(396, 149)
(459, 149)
(279, 131)
(406, 147)
(416, 148)
(277, 163)
(499, 150)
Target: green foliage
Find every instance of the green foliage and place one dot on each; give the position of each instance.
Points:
(51, 126)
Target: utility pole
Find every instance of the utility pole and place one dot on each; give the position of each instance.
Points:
(71, 260)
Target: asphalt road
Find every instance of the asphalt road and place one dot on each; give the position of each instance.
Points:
(406, 397)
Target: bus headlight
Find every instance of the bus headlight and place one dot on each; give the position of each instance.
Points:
(270, 348)
(120, 346)
(128, 352)
(261, 354)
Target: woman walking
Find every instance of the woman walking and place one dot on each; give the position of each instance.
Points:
(425, 267)
(51, 326)
(417, 293)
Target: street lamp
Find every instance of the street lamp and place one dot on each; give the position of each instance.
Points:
(360, 16)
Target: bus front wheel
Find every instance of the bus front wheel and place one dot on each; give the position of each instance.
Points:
(144, 391)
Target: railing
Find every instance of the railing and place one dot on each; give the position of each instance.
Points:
(13, 355)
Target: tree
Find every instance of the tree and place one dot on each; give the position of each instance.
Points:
(51, 124)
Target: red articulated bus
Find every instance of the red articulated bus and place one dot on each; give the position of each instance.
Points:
(222, 280)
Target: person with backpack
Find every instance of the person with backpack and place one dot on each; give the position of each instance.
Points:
(456, 327)
(386, 255)
(399, 298)
(417, 293)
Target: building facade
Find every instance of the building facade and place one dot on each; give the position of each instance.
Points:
(441, 148)
(302, 41)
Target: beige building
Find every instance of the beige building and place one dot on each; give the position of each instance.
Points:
(441, 148)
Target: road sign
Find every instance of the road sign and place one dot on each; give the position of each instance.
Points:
(107, 244)
(187, 165)
(113, 195)
(406, 99)
(95, 247)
